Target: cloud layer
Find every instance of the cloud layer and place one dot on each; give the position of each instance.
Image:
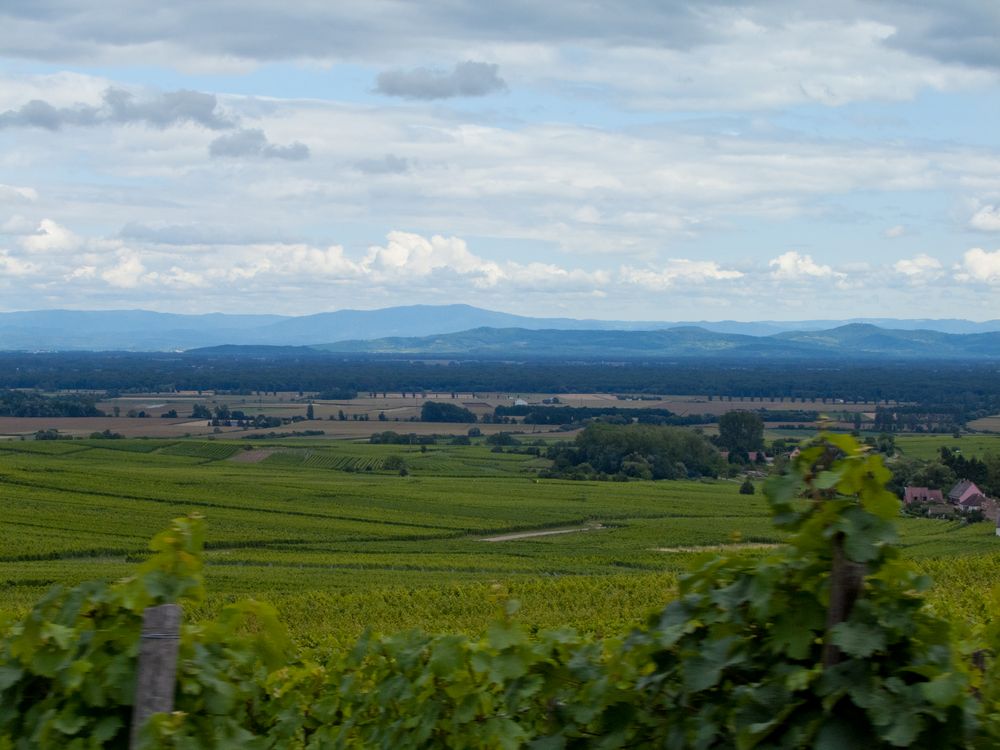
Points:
(467, 78)
(681, 159)
(121, 107)
(141, 262)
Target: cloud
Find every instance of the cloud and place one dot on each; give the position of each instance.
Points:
(918, 267)
(17, 225)
(793, 266)
(676, 271)
(986, 219)
(715, 52)
(895, 232)
(121, 107)
(407, 254)
(127, 273)
(192, 234)
(50, 237)
(467, 78)
(253, 142)
(964, 31)
(13, 266)
(389, 164)
(15, 194)
(979, 265)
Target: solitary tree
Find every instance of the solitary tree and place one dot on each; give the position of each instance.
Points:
(741, 431)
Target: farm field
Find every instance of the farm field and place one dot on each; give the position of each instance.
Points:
(340, 542)
(988, 424)
(362, 414)
(928, 446)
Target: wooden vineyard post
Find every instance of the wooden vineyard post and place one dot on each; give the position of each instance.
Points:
(156, 672)
(846, 580)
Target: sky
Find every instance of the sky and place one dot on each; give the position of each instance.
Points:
(651, 159)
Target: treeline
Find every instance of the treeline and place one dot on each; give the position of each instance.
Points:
(27, 404)
(918, 418)
(635, 451)
(969, 390)
(559, 415)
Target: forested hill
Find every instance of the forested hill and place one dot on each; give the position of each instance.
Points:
(853, 341)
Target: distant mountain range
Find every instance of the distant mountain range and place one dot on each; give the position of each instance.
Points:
(852, 341)
(142, 330)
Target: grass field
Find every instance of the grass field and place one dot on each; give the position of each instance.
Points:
(340, 543)
(928, 446)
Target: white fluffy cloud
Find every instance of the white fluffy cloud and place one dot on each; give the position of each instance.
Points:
(919, 267)
(127, 273)
(50, 237)
(407, 256)
(796, 266)
(680, 270)
(66, 266)
(979, 265)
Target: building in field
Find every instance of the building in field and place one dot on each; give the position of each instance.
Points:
(921, 495)
(968, 498)
(962, 491)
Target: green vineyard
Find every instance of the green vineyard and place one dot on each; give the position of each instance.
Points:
(813, 632)
(342, 543)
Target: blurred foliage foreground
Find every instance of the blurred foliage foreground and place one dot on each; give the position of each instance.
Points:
(823, 643)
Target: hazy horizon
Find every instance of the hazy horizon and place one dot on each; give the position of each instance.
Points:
(265, 313)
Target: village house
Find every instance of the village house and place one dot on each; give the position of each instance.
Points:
(964, 497)
(968, 498)
(962, 491)
(921, 495)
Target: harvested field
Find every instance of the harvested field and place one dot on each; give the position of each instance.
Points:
(84, 426)
(986, 424)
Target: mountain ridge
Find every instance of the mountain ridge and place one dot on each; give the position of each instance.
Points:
(850, 341)
(144, 330)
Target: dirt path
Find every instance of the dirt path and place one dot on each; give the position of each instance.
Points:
(545, 532)
(715, 547)
(254, 456)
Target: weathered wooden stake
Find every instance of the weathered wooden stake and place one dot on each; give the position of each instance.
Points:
(156, 673)
(846, 580)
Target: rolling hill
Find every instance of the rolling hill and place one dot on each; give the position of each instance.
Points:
(852, 341)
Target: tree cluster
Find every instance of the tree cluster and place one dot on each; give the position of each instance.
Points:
(29, 404)
(635, 451)
(438, 411)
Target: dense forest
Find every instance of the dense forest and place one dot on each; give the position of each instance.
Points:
(958, 391)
